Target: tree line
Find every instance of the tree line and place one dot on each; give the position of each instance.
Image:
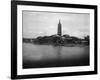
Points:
(58, 40)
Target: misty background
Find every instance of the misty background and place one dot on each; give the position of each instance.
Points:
(45, 23)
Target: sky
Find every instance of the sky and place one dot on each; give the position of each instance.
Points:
(45, 23)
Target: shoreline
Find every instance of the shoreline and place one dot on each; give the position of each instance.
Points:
(65, 45)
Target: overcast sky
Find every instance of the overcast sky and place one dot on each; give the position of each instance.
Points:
(45, 23)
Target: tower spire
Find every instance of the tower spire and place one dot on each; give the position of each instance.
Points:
(59, 21)
(59, 28)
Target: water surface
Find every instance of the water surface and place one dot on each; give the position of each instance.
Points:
(39, 56)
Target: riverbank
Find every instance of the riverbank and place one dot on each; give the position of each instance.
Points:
(65, 45)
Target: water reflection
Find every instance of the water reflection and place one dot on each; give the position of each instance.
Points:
(58, 50)
(48, 55)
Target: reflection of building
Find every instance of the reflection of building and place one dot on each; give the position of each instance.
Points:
(59, 29)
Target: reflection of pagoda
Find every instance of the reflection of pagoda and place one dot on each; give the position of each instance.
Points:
(59, 29)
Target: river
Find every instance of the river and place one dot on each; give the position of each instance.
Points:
(40, 56)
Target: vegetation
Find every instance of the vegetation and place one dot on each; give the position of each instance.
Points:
(58, 40)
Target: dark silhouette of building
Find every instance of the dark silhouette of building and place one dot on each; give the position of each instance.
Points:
(59, 29)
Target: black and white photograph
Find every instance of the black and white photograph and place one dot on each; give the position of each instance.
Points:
(53, 39)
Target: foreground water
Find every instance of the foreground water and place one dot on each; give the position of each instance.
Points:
(39, 56)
